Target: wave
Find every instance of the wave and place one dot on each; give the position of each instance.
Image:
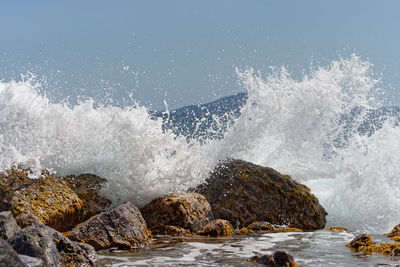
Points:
(308, 128)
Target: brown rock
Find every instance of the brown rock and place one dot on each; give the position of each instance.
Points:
(169, 230)
(122, 227)
(8, 225)
(217, 227)
(87, 187)
(25, 220)
(278, 259)
(260, 226)
(47, 197)
(190, 211)
(243, 192)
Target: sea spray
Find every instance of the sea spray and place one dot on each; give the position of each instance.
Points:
(300, 127)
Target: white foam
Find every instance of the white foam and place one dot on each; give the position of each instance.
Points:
(286, 124)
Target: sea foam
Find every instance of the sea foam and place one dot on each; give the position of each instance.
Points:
(295, 126)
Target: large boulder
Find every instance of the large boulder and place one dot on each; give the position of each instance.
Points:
(190, 211)
(47, 197)
(242, 193)
(87, 187)
(41, 241)
(122, 227)
(8, 225)
(8, 256)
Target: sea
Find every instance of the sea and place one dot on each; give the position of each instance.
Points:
(328, 129)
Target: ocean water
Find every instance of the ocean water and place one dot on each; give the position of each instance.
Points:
(326, 130)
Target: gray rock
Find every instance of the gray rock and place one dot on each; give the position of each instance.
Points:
(40, 241)
(122, 227)
(31, 261)
(8, 225)
(8, 257)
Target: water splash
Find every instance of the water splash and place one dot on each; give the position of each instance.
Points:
(299, 127)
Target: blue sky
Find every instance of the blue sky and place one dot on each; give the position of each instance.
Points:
(186, 51)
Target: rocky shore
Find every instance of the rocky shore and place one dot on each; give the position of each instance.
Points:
(63, 221)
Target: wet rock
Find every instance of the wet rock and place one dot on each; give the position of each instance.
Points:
(265, 227)
(217, 227)
(87, 187)
(190, 211)
(278, 259)
(361, 241)
(364, 243)
(40, 241)
(335, 228)
(243, 192)
(395, 233)
(8, 256)
(8, 225)
(47, 197)
(122, 227)
(24, 220)
(260, 226)
(169, 230)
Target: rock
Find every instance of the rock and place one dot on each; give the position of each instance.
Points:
(361, 241)
(364, 243)
(24, 220)
(395, 233)
(87, 187)
(334, 228)
(40, 241)
(47, 197)
(278, 259)
(122, 227)
(8, 225)
(190, 211)
(265, 227)
(169, 230)
(260, 226)
(8, 256)
(243, 192)
(31, 261)
(217, 227)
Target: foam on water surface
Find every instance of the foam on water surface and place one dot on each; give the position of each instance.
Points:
(298, 127)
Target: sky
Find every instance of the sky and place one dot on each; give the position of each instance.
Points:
(186, 52)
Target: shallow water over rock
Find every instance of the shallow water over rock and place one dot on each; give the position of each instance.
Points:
(319, 248)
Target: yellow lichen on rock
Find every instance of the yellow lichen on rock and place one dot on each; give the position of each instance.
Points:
(364, 243)
(47, 197)
(217, 227)
(395, 233)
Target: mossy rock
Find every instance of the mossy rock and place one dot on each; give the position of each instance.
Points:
(242, 193)
(217, 227)
(47, 197)
(364, 243)
(395, 233)
(87, 187)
